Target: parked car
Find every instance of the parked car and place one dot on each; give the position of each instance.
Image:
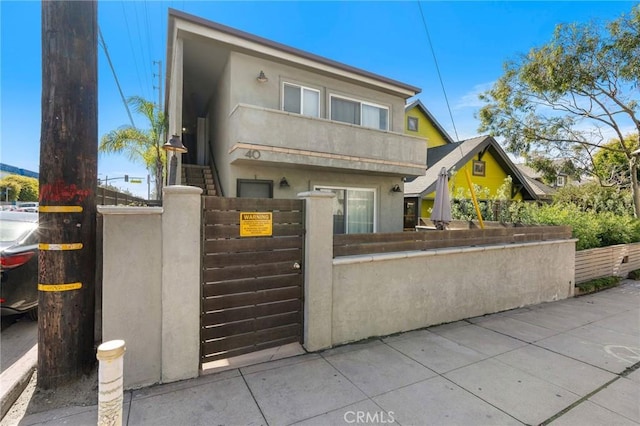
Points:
(19, 263)
(28, 207)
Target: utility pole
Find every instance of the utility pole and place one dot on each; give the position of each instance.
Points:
(68, 175)
(161, 129)
(159, 75)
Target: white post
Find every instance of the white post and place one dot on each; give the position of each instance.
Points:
(110, 382)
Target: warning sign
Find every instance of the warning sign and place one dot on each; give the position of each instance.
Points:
(256, 224)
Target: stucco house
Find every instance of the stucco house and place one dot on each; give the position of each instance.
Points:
(486, 161)
(273, 121)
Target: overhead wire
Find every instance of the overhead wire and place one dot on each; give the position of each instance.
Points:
(466, 169)
(115, 75)
(142, 51)
(435, 60)
(133, 54)
(148, 36)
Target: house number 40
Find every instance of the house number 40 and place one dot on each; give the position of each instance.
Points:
(253, 153)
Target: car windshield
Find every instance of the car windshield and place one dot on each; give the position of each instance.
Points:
(12, 230)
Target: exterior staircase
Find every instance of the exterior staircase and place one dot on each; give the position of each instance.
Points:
(200, 176)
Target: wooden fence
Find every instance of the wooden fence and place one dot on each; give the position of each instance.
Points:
(616, 260)
(355, 244)
(108, 197)
(252, 286)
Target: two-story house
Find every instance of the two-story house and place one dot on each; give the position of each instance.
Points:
(274, 121)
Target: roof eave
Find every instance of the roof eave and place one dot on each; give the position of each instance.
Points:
(402, 89)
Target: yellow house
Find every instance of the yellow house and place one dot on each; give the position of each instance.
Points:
(482, 156)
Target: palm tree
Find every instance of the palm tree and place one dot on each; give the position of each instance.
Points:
(138, 145)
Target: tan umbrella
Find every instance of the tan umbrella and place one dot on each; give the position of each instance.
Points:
(441, 213)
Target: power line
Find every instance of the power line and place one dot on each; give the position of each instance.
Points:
(135, 57)
(148, 34)
(435, 60)
(142, 51)
(115, 76)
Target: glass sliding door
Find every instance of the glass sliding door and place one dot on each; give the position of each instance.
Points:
(354, 210)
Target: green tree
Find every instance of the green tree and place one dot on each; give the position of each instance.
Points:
(595, 198)
(21, 188)
(611, 166)
(567, 98)
(143, 146)
(550, 169)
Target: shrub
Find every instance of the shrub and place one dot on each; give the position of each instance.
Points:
(635, 274)
(598, 284)
(585, 227)
(599, 216)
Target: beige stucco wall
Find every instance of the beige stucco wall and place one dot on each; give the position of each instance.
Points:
(388, 293)
(181, 229)
(237, 84)
(318, 254)
(132, 290)
(389, 204)
(151, 286)
(245, 89)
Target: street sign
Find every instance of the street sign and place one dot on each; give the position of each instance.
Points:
(135, 180)
(256, 224)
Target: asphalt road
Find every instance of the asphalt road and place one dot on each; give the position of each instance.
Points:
(17, 336)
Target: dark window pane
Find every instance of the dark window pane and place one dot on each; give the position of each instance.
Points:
(249, 189)
(345, 111)
(292, 98)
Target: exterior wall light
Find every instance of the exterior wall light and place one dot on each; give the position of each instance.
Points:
(284, 183)
(175, 146)
(262, 78)
(396, 188)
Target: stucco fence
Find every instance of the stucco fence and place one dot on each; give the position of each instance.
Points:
(151, 284)
(611, 261)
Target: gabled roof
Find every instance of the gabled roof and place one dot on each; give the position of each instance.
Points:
(542, 190)
(418, 104)
(455, 156)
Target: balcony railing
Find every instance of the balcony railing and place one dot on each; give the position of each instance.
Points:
(267, 135)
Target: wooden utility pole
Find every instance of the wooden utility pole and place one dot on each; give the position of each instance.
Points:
(68, 175)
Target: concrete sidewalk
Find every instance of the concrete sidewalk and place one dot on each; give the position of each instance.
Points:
(572, 362)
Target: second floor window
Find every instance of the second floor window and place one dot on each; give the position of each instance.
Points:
(301, 100)
(360, 113)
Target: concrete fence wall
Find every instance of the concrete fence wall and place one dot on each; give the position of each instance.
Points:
(380, 294)
(610, 261)
(151, 286)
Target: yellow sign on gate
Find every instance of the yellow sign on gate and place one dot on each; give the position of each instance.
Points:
(256, 224)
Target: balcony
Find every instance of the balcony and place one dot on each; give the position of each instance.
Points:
(270, 136)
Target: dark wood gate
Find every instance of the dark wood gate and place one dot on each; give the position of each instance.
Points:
(252, 291)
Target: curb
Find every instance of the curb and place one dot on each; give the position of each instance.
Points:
(15, 379)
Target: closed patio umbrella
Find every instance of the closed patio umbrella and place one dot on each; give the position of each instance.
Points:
(441, 213)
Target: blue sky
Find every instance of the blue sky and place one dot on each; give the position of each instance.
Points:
(471, 41)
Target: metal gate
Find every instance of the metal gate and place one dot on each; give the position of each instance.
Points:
(252, 286)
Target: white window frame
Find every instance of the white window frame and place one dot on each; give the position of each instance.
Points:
(561, 180)
(302, 88)
(361, 102)
(351, 188)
